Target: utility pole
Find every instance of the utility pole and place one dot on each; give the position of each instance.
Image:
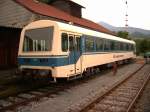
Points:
(126, 15)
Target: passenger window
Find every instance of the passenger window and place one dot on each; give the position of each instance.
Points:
(71, 43)
(107, 45)
(121, 46)
(124, 46)
(99, 44)
(78, 43)
(127, 47)
(132, 47)
(112, 45)
(64, 42)
(89, 44)
(38, 39)
(117, 46)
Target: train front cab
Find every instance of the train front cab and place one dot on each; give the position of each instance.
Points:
(36, 48)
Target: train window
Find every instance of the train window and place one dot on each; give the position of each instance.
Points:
(124, 47)
(132, 47)
(121, 46)
(78, 43)
(39, 45)
(112, 45)
(117, 46)
(43, 45)
(89, 44)
(127, 47)
(107, 45)
(39, 39)
(71, 43)
(64, 42)
(99, 44)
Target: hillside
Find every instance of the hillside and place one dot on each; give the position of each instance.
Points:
(133, 32)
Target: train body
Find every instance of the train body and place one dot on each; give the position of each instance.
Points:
(63, 50)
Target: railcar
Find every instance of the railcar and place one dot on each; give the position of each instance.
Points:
(61, 50)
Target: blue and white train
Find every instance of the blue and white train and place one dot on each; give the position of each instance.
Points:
(62, 50)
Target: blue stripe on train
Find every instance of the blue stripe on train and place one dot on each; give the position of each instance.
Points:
(50, 61)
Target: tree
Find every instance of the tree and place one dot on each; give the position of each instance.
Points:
(138, 41)
(123, 34)
(142, 46)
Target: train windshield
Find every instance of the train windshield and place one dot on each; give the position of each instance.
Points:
(39, 39)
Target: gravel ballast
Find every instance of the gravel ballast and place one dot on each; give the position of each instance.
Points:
(80, 95)
(143, 104)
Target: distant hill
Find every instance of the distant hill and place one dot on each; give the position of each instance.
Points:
(133, 32)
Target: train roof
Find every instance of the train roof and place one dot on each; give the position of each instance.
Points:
(81, 30)
(75, 29)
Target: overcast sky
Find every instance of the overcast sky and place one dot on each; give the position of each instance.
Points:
(113, 12)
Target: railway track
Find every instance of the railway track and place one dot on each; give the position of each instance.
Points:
(13, 102)
(22, 99)
(122, 97)
(50, 90)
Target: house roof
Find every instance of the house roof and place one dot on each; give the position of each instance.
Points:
(72, 1)
(47, 10)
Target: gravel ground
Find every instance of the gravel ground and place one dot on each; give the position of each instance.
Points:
(76, 97)
(143, 104)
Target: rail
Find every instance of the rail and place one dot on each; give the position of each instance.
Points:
(101, 99)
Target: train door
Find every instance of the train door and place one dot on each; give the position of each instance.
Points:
(78, 64)
(75, 53)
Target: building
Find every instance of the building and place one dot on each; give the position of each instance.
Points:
(68, 6)
(15, 14)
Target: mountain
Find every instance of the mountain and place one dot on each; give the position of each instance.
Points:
(133, 32)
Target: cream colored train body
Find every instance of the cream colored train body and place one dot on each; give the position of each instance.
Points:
(63, 50)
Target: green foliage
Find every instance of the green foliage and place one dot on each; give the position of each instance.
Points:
(142, 46)
(123, 34)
